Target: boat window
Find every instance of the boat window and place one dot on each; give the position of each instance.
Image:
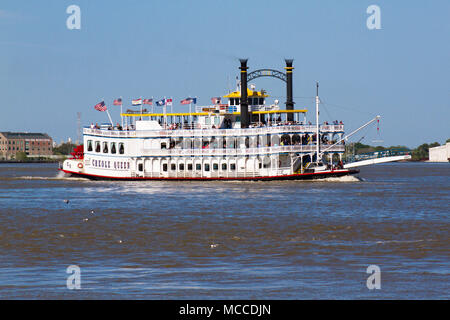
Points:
(89, 145)
(207, 120)
(163, 145)
(232, 166)
(121, 148)
(198, 167)
(190, 166)
(97, 146)
(224, 166)
(140, 167)
(231, 101)
(165, 167)
(216, 120)
(206, 166)
(181, 166)
(237, 101)
(113, 147)
(261, 101)
(173, 167)
(105, 147)
(215, 166)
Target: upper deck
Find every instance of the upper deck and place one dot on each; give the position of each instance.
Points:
(273, 129)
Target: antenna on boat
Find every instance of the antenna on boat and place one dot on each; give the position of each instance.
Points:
(317, 123)
(378, 140)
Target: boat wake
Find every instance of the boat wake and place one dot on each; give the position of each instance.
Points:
(59, 176)
(341, 179)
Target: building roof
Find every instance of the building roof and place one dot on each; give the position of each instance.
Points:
(24, 135)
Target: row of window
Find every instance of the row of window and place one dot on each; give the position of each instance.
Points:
(198, 167)
(250, 101)
(106, 147)
(21, 142)
(21, 148)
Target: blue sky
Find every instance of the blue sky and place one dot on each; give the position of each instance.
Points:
(48, 73)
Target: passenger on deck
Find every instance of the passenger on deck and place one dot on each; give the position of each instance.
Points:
(97, 126)
(119, 127)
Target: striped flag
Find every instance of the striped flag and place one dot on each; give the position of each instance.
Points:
(169, 102)
(136, 102)
(117, 102)
(161, 102)
(148, 101)
(189, 101)
(100, 106)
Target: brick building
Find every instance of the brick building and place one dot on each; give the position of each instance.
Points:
(33, 144)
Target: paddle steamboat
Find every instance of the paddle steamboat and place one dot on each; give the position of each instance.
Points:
(241, 139)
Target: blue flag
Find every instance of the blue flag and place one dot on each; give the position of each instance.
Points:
(161, 102)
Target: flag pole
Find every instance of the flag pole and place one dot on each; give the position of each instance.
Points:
(165, 111)
(109, 116)
(140, 118)
(121, 111)
(190, 112)
(107, 112)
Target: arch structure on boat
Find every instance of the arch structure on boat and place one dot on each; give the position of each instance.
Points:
(267, 73)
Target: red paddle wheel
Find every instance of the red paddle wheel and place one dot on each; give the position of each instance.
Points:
(78, 152)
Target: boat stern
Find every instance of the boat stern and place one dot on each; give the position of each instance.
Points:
(73, 166)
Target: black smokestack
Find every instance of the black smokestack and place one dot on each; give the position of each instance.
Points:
(244, 104)
(289, 100)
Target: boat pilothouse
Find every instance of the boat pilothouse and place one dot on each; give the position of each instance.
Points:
(241, 139)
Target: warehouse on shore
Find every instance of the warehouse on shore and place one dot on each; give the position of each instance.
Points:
(32, 144)
(440, 154)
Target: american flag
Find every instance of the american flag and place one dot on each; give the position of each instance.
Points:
(189, 100)
(148, 101)
(169, 102)
(100, 106)
(117, 102)
(215, 100)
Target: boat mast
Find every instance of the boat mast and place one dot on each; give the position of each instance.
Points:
(317, 123)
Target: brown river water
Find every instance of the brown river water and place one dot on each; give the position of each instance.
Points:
(226, 240)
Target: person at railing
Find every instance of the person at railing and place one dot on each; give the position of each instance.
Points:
(119, 127)
(97, 126)
(340, 122)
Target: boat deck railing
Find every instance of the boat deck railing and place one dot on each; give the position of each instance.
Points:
(212, 132)
(237, 151)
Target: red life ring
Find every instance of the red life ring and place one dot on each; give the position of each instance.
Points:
(80, 165)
